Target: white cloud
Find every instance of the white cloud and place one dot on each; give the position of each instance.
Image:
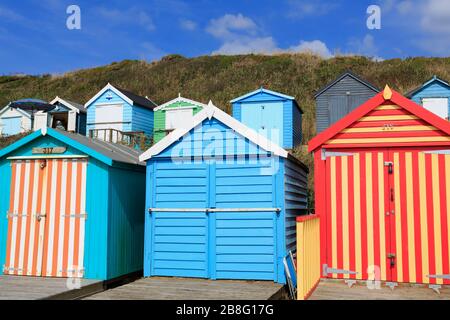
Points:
(316, 47)
(436, 17)
(241, 35)
(10, 15)
(365, 47)
(130, 16)
(265, 45)
(150, 52)
(229, 25)
(188, 25)
(303, 8)
(425, 22)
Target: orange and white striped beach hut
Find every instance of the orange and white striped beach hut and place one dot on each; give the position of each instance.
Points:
(382, 189)
(70, 206)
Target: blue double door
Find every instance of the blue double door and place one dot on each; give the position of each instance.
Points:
(217, 245)
(232, 241)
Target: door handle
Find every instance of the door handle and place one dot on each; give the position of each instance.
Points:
(40, 216)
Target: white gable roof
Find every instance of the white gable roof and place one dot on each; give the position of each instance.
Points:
(209, 112)
(66, 103)
(106, 88)
(180, 99)
(22, 112)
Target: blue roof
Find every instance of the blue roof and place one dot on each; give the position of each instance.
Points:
(108, 153)
(426, 84)
(272, 93)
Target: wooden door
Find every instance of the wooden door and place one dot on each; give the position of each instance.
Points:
(46, 218)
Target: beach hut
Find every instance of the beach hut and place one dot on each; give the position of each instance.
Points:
(340, 97)
(14, 121)
(174, 114)
(71, 207)
(115, 114)
(274, 115)
(382, 189)
(433, 95)
(221, 201)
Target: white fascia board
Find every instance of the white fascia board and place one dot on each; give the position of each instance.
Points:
(64, 102)
(180, 99)
(210, 112)
(106, 88)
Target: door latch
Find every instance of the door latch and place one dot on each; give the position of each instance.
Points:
(391, 257)
(40, 216)
(390, 166)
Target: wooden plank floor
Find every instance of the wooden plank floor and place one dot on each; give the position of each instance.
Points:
(338, 290)
(191, 289)
(34, 288)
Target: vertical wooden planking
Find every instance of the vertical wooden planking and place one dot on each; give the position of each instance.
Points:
(410, 217)
(423, 217)
(333, 225)
(437, 216)
(358, 213)
(345, 215)
(382, 215)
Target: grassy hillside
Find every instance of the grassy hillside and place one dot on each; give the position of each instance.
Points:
(222, 78)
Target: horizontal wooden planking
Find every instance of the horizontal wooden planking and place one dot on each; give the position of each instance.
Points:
(243, 189)
(395, 128)
(398, 123)
(245, 258)
(389, 133)
(183, 272)
(176, 264)
(392, 112)
(181, 256)
(244, 275)
(249, 180)
(389, 118)
(244, 224)
(247, 241)
(244, 267)
(179, 222)
(389, 140)
(251, 197)
(388, 107)
(245, 250)
(176, 239)
(180, 247)
(231, 232)
(181, 231)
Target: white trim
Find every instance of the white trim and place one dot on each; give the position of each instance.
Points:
(64, 102)
(48, 157)
(18, 109)
(106, 88)
(214, 210)
(210, 112)
(262, 90)
(180, 99)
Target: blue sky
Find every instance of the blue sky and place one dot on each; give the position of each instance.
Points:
(34, 38)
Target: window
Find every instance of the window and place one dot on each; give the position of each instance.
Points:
(179, 118)
(112, 114)
(439, 106)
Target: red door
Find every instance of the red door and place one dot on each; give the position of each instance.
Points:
(420, 216)
(357, 224)
(388, 216)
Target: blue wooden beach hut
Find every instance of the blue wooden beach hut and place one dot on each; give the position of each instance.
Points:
(274, 115)
(433, 95)
(114, 112)
(222, 202)
(71, 207)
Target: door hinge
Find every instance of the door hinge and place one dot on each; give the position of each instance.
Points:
(439, 276)
(326, 154)
(327, 270)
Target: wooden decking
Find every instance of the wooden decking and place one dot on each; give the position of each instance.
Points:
(192, 289)
(33, 288)
(338, 290)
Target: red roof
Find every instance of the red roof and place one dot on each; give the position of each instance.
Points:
(388, 96)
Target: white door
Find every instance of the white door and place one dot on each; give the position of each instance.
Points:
(438, 106)
(40, 121)
(180, 118)
(109, 117)
(72, 121)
